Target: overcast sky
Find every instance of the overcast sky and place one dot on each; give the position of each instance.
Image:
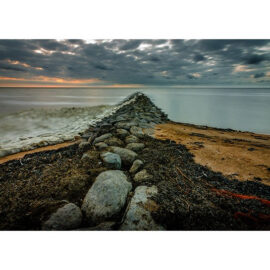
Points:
(134, 63)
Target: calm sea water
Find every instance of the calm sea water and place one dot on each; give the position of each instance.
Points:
(241, 109)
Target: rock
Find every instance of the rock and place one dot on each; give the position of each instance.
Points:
(138, 217)
(105, 226)
(131, 139)
(122, 133)
(137, 164)
(83, 146)
(111, 160)
(106, 197)
(101, 145)
(135, 146)
(125, 125)
(137, 131)
(113, 141)
(127, 156)
(67, 217)
(102, 138)
(142, 176)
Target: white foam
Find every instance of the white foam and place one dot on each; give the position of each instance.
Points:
(34, 128)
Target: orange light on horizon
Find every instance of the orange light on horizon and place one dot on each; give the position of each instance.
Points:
(45, 81)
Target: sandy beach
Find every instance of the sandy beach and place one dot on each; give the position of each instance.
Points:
(237, 155)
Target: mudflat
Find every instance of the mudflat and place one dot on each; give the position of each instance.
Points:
(237, 155)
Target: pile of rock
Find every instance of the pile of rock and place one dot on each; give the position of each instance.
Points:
(119, 139)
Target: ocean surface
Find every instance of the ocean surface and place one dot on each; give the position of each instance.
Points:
(24, 111)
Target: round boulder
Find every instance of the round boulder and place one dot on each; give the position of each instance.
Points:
(111, 160)
(67, 217)
(106, 197)
(127, 156)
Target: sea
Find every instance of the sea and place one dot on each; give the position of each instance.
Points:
(31, 117)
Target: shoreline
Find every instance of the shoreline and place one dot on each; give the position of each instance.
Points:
(162, 186)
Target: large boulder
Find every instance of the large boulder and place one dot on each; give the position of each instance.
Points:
(67, 217)
(138, 217)
(111, 160)
(106, 197)
(127, 156)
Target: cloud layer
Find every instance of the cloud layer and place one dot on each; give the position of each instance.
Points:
(134, 62)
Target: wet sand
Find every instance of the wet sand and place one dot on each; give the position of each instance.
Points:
(20, 155)
(240, 155)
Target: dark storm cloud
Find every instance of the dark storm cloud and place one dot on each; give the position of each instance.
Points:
(198, 58)
(149, 62)
(255, 59)
(259, 75)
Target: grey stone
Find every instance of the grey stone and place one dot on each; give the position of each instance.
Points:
(142, 176)
(138, 217)
(137, 131)
(67, 217)
(106, 197)
(111, 160)
(84, 146)
(131, 139)
(135, 146)
(127, 156)
(101, 145)
(122, 133)
(113, 141)
(125, 125)
(105, 226)
(137, 164)
(102, 138)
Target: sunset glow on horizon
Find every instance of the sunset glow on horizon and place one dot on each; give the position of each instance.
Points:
(134, 63)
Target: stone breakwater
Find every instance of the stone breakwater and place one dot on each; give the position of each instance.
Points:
(120, 178)
(118, 136)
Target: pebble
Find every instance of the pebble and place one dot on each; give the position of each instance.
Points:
(122, 133)
(135, 146)
(101, 145)
(137, 164)
(131, 139)
(137, 131)
(142, 176)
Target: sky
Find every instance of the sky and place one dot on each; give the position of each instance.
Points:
(134, 63)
